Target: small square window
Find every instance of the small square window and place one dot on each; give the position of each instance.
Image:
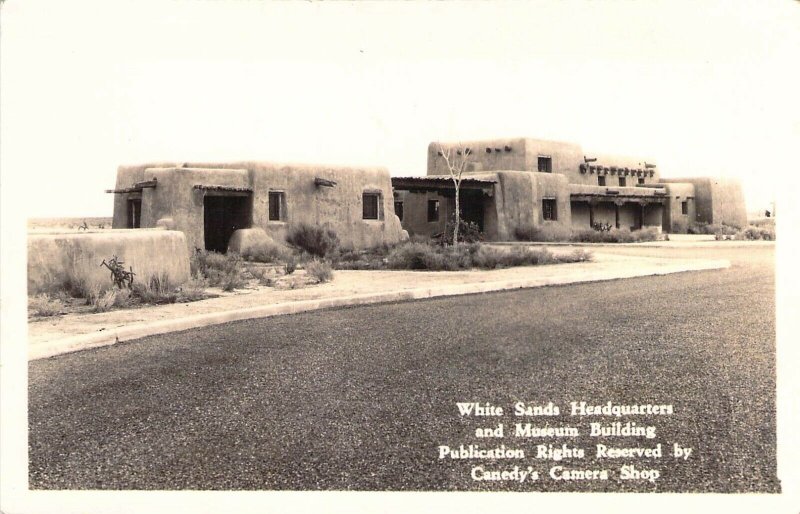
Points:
(549, 209)
(601, 180)
(433, 210)
(622, 181)
(276, 206)
(370, 201)
(545, 164)
(398, 209)
(684, 207)
(641, 180)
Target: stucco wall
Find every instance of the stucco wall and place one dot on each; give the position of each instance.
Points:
(52, 258)
(674, 219)
(514, 203)
(415, 212)
(339, 207)
(522, 154)
(518, 199)
(479, 160)
(727, 201)
(717, 200)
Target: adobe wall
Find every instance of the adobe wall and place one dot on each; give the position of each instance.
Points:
(522, 154)
(415, 212)
(518, 199)
(52, 258)
(674, 219)
(497, 158)
(717, 200)
(515, 203)
(175, 203)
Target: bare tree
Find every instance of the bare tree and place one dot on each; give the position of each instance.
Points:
(455, 158)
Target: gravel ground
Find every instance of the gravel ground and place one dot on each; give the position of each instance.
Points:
(361, 398)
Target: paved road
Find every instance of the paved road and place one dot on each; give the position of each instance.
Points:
(362, 398)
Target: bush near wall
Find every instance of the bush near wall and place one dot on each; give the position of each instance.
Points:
(420, 256)
(558, 233)
(754, 233)
(317, 241)
(218, 270)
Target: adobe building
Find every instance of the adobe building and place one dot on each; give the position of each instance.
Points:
(515, 184)
(209, 203)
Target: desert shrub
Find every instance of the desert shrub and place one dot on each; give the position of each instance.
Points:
(157, 290)
(543, 233)
(290, 266)
(767, 233)
(416, 256)
(372, 258)
(520, 256)
(579, 255)
(420, 238)
(763, 222)
(468, 232)
(588, 235)
(680, 226)
(192, 290)
(220, 270)
(44, 305)
(616, 235)
(754, 233)
(646, 234)
(110, 299)
(266, 251)
(319, 270)
(700, 227)
(256, 272)
(317, 241)
(725, 230)
(488, 257)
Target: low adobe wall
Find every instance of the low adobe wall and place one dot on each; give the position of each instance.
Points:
(53, 259)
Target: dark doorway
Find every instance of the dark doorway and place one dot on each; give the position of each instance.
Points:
(222, 215)
(471, 203)
(134, 213)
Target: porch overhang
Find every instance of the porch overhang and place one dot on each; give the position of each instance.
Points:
(618, 195)
(442, 184)
(617, 198)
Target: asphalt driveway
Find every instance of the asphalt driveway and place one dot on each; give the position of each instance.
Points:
(362, 398)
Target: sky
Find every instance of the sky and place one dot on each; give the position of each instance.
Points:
(700, 88)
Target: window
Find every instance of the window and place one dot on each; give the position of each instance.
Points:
(545, 164)
(684, 207)
(398, 209)
(549, 209)
(134, 213)
(622, 181)
(601, 180)
(433, 210)
(370, 201)
(641, 180)
(276, 209)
